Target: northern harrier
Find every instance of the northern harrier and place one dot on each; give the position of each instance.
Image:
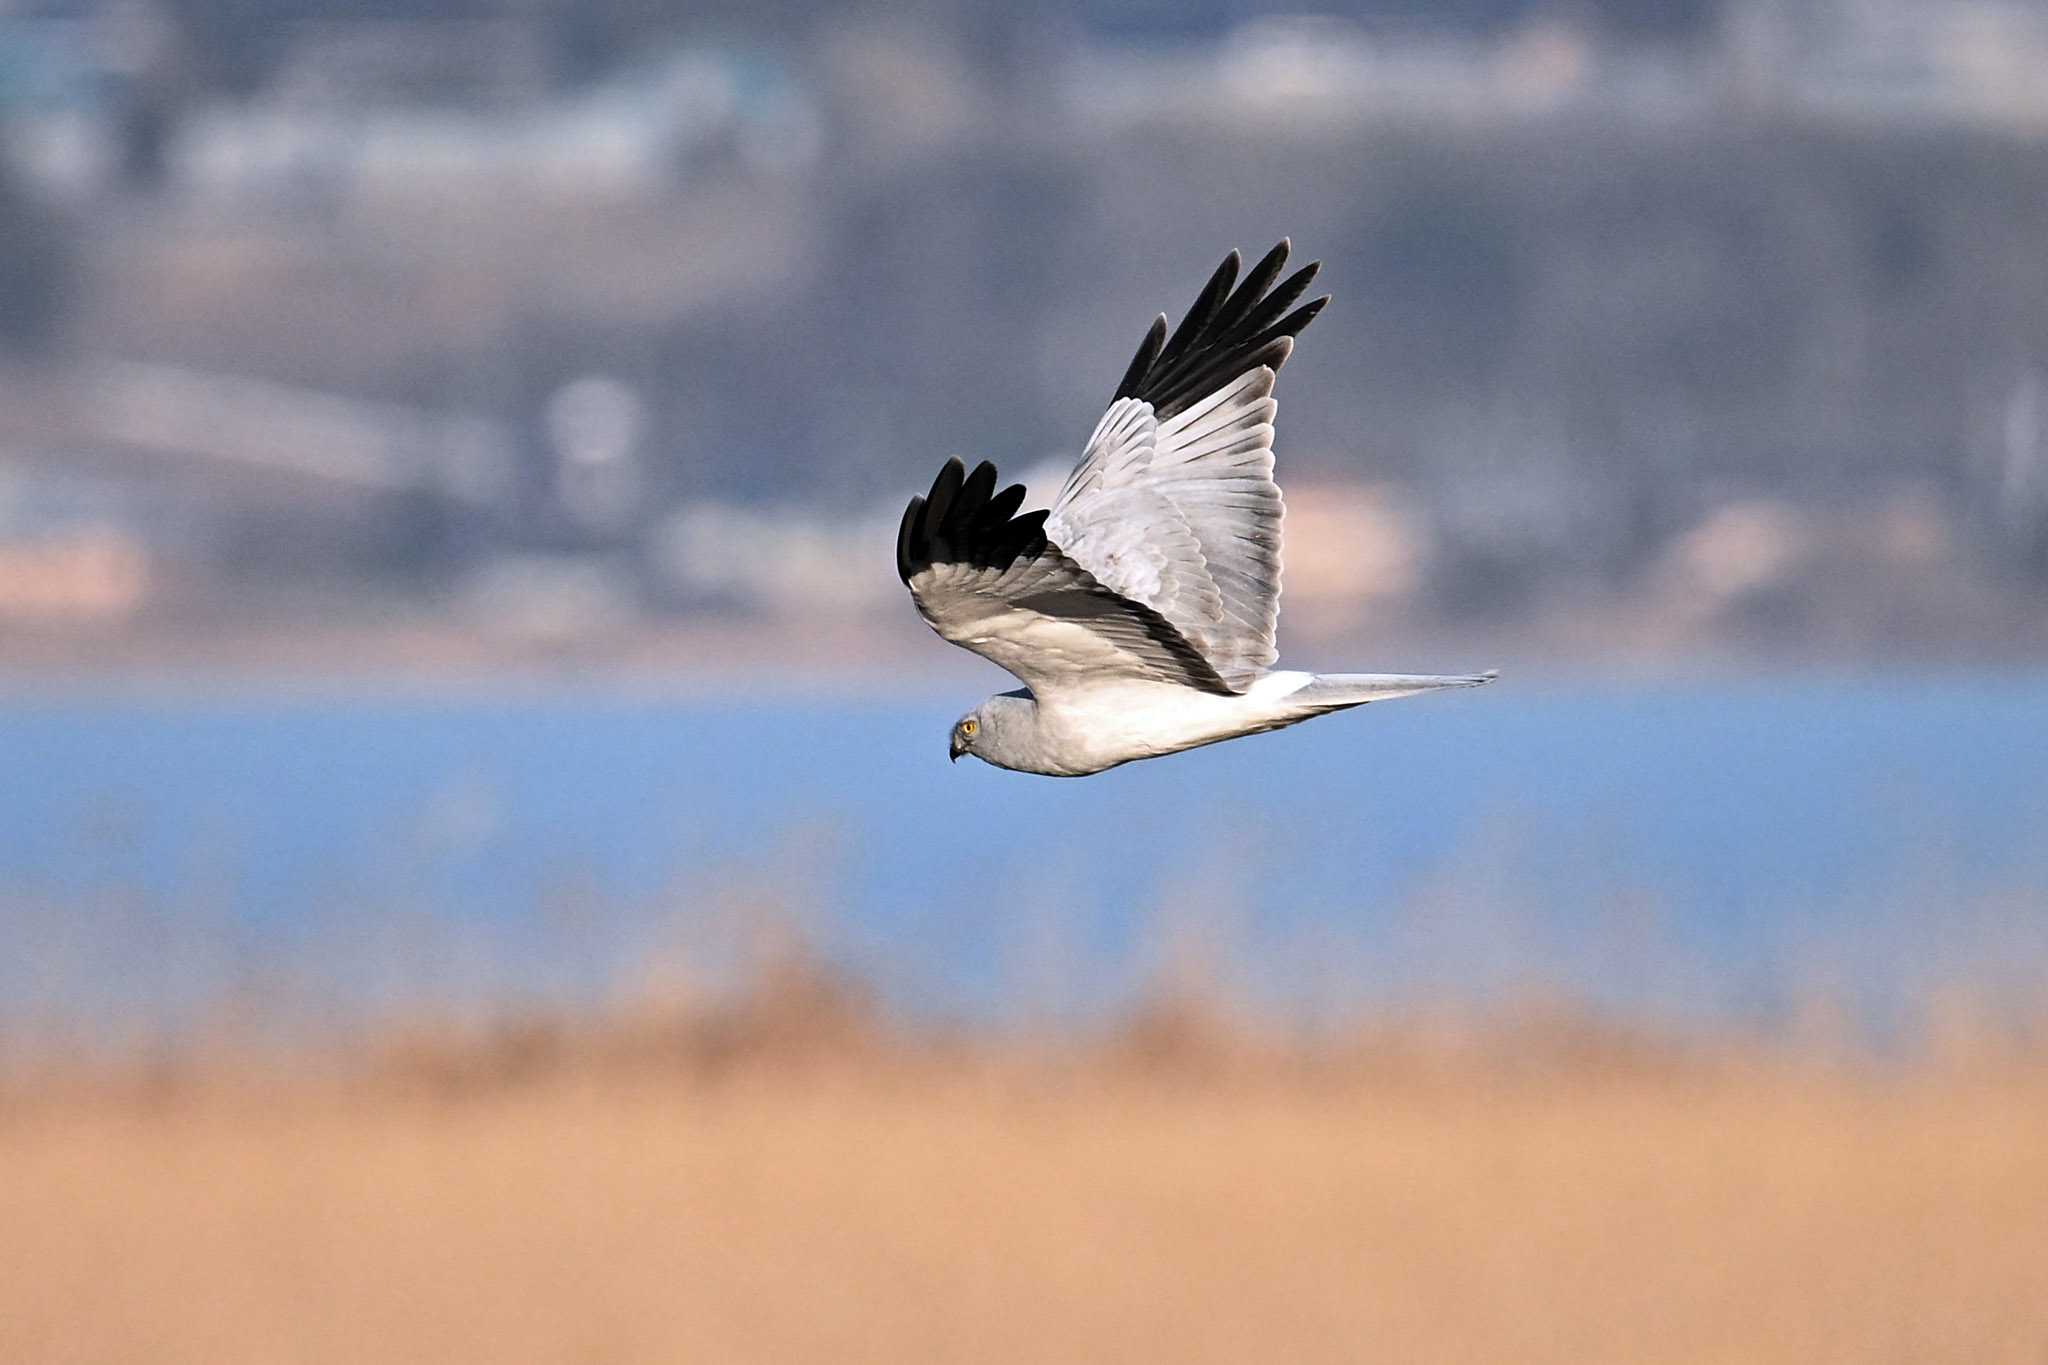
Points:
(1138, 611)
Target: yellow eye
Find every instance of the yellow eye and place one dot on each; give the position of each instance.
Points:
(968, 727)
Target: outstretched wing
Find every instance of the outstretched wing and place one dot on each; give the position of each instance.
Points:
(1173, 505)
(991, 581)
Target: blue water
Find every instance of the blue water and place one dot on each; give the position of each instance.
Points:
(1660, 847)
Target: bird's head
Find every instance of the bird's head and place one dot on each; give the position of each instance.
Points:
(966, 731)
(993, 730)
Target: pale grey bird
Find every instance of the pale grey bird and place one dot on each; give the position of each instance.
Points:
(1138, 611)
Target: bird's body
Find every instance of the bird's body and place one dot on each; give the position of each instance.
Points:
(1139, 610)
(1086, 730)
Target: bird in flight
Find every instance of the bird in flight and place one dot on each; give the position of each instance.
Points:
(1139, 609)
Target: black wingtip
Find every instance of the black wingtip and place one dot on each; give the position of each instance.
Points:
(946, 487)
(1144, 360)
(975, 493)
(1225, 332)
(1300, 318)
(1214, 296)
(964, 520)
(1246, 299)
(906, 534)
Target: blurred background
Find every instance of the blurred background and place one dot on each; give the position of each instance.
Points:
(449, 451)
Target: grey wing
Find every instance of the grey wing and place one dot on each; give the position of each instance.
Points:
(1173, 504)
(993, 582)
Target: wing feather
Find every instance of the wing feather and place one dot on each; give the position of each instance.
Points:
(1173, 505)
(992, 581)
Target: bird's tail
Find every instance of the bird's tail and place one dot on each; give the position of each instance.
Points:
(1335, 691)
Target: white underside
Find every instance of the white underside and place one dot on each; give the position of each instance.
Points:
(1095, 728)
(1084, 730)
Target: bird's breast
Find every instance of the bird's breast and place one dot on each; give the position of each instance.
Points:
(1115, 723)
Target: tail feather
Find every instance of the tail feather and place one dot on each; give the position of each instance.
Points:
(1334, 691)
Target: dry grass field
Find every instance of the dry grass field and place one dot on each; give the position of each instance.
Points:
(886, 1202)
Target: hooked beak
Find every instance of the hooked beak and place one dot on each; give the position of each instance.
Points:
(955, 748)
